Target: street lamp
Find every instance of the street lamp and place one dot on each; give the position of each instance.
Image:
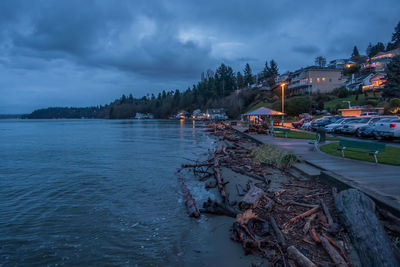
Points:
(283, 101)
(348, 102)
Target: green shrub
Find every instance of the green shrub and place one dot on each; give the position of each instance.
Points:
(372, 102)
(270, 154)
(297, 105)
(394, 103)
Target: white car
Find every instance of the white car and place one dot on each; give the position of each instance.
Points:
(307, 126)
(331, 127)
(387, 128)
(352, 127)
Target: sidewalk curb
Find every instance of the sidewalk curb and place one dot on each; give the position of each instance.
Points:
(342, 183)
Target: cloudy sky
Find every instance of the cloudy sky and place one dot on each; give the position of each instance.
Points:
(84, 52)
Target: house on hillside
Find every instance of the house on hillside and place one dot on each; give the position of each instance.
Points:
(379, 62)
(374, 83)
(357, 81)
(313, 79)
(341, 64)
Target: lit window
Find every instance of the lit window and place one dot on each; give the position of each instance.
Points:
(323, 79)
(318, 80)
(310, 80)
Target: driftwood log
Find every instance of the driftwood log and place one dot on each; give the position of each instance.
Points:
(250, 174)
(189, 200)
(279, 236)
(300, 259)
(357, 213)
(216, 208)
(332, 252)
(220, 181)
(333, 227)
(250, 200)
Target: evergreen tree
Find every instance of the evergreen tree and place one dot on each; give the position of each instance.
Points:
(396, 36)
(368, 50)
(266, 71)
(239, 80)
(320, 61)
(225, 80)
(390, 46)
(392, 85)
(130, 99)
(123, 99)
(355, 52)
(373, 50)
(248, 76)
(273, 68)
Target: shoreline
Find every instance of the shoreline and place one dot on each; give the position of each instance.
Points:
(284, 190)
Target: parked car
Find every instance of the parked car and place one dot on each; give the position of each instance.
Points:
(300, 123)
(339, 129)
(307, 126)
(330, 128)
(352, 127)
(368, 130)
(368, 114)
(322, 122)
(387, 128)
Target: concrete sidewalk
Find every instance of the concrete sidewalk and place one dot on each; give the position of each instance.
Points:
(380, 181)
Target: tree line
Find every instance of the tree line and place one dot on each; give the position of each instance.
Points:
(219, 88)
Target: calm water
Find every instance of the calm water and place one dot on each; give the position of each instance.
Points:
(100, 192)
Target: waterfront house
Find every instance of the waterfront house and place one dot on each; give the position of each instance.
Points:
(198, 115)
(143, 116)
(216, 114)
(182, 114)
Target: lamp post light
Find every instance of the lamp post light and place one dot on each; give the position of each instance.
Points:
(283, 101)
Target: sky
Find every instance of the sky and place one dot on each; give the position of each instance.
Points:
(84, 53)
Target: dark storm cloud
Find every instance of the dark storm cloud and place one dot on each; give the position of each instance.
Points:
(306, 49)
(89, 52)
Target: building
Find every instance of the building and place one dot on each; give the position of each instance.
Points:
(144, 116)
(358, 81)
(341, 64)
(182, 114)
(315, 80)
(374, 83)
(379, 62)
(216, 114)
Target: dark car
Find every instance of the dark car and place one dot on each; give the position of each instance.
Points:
(322, 122)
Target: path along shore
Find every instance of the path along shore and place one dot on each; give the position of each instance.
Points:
(379, 181)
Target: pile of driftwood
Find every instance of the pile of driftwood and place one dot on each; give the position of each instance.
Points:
(304, 223)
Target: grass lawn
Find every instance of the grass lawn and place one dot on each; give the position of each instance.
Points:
(338, 102)
(390, 156)
(303, 135)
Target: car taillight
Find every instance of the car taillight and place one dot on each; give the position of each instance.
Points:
(392, 125)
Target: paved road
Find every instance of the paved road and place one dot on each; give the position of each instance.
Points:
(382, 179)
